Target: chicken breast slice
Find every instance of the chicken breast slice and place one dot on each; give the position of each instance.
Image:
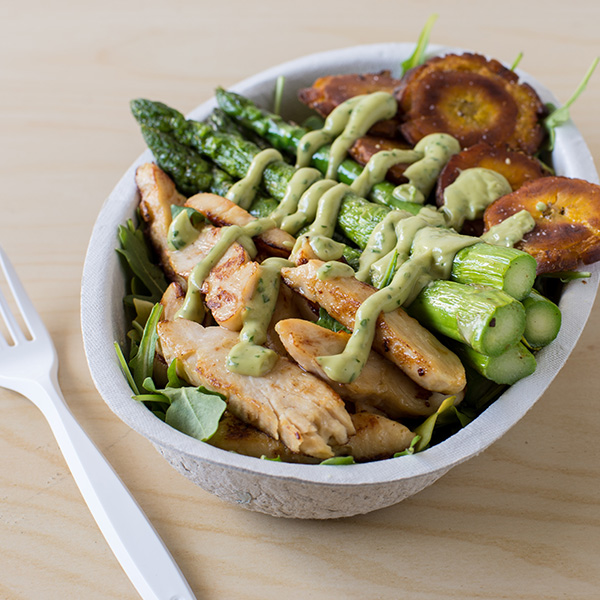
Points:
(234, 435)
(381, 384)
(287, 403)
(376, 437)
(221, 211)
(233, 280)
(398, 337)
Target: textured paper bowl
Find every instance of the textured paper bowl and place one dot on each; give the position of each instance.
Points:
(309, 491)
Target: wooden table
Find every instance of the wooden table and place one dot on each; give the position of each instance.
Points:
(522, 520)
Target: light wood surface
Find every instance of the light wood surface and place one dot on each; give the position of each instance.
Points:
(521, 521)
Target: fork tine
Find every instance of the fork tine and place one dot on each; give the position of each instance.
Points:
(30, 316)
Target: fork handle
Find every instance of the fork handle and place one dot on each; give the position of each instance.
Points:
(138, 548)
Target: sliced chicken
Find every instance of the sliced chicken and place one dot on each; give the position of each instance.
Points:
(172, 301)
(381, 384)
(398, 337)
(287, 403)
(220, 211)
(376, 437)
(157, 195)
(232, 281)
(234, 435)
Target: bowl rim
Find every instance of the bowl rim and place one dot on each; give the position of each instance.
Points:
(101, 314)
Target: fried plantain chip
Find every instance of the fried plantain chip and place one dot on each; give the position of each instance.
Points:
(518, 168)
(567, 217)
(472, 98)
(365, 147)
(328, 92)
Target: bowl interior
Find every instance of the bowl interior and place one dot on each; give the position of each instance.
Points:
(103, 289)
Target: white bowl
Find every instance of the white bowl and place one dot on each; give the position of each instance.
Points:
(310, 491)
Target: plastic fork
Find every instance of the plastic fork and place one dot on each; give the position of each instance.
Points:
(29, 365)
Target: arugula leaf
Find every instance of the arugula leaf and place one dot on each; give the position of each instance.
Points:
(196, 217)
(173, 379)
(135, 251)
(278, 94)
(425, 429)
(418, 56)
(352, 256)
(328, 322)
(516, 61)
(566, 276)
(313, 122)
(142, 364)
(338, 460)
(265, 457)
(391, 271)
(559, 116)
(194, 412)
(125, 369)
(411, 449)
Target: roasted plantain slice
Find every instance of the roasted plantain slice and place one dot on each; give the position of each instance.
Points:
(365, 147)
(328, 92)
(567, 217)
(472, 98)
(517, 167)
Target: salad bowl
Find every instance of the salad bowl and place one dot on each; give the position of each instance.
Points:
(300, 490)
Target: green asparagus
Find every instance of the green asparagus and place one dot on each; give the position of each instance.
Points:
(187, 168)
(542, 320)
(507, 368)
(285, 137)
(486, 319)
(357, 217)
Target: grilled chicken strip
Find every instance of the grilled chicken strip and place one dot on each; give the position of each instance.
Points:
(221, 211)
(376, 437)
(171, 301)
(230, 284)
(380, 384)
(398, 337)
(234, 435)
(287, 403)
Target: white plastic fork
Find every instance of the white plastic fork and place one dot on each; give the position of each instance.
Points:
(30, 366)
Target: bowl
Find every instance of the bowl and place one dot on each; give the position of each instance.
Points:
(310, 491)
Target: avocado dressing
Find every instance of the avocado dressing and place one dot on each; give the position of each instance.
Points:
(404, 253)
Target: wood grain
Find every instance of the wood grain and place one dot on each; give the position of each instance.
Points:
(521, 521)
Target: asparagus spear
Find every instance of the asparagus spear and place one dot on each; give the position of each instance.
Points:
(186, 167)
(542, 320)
(507, 269)
(488, 320)
(285, 137)
(357, 217)
(507, 368)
